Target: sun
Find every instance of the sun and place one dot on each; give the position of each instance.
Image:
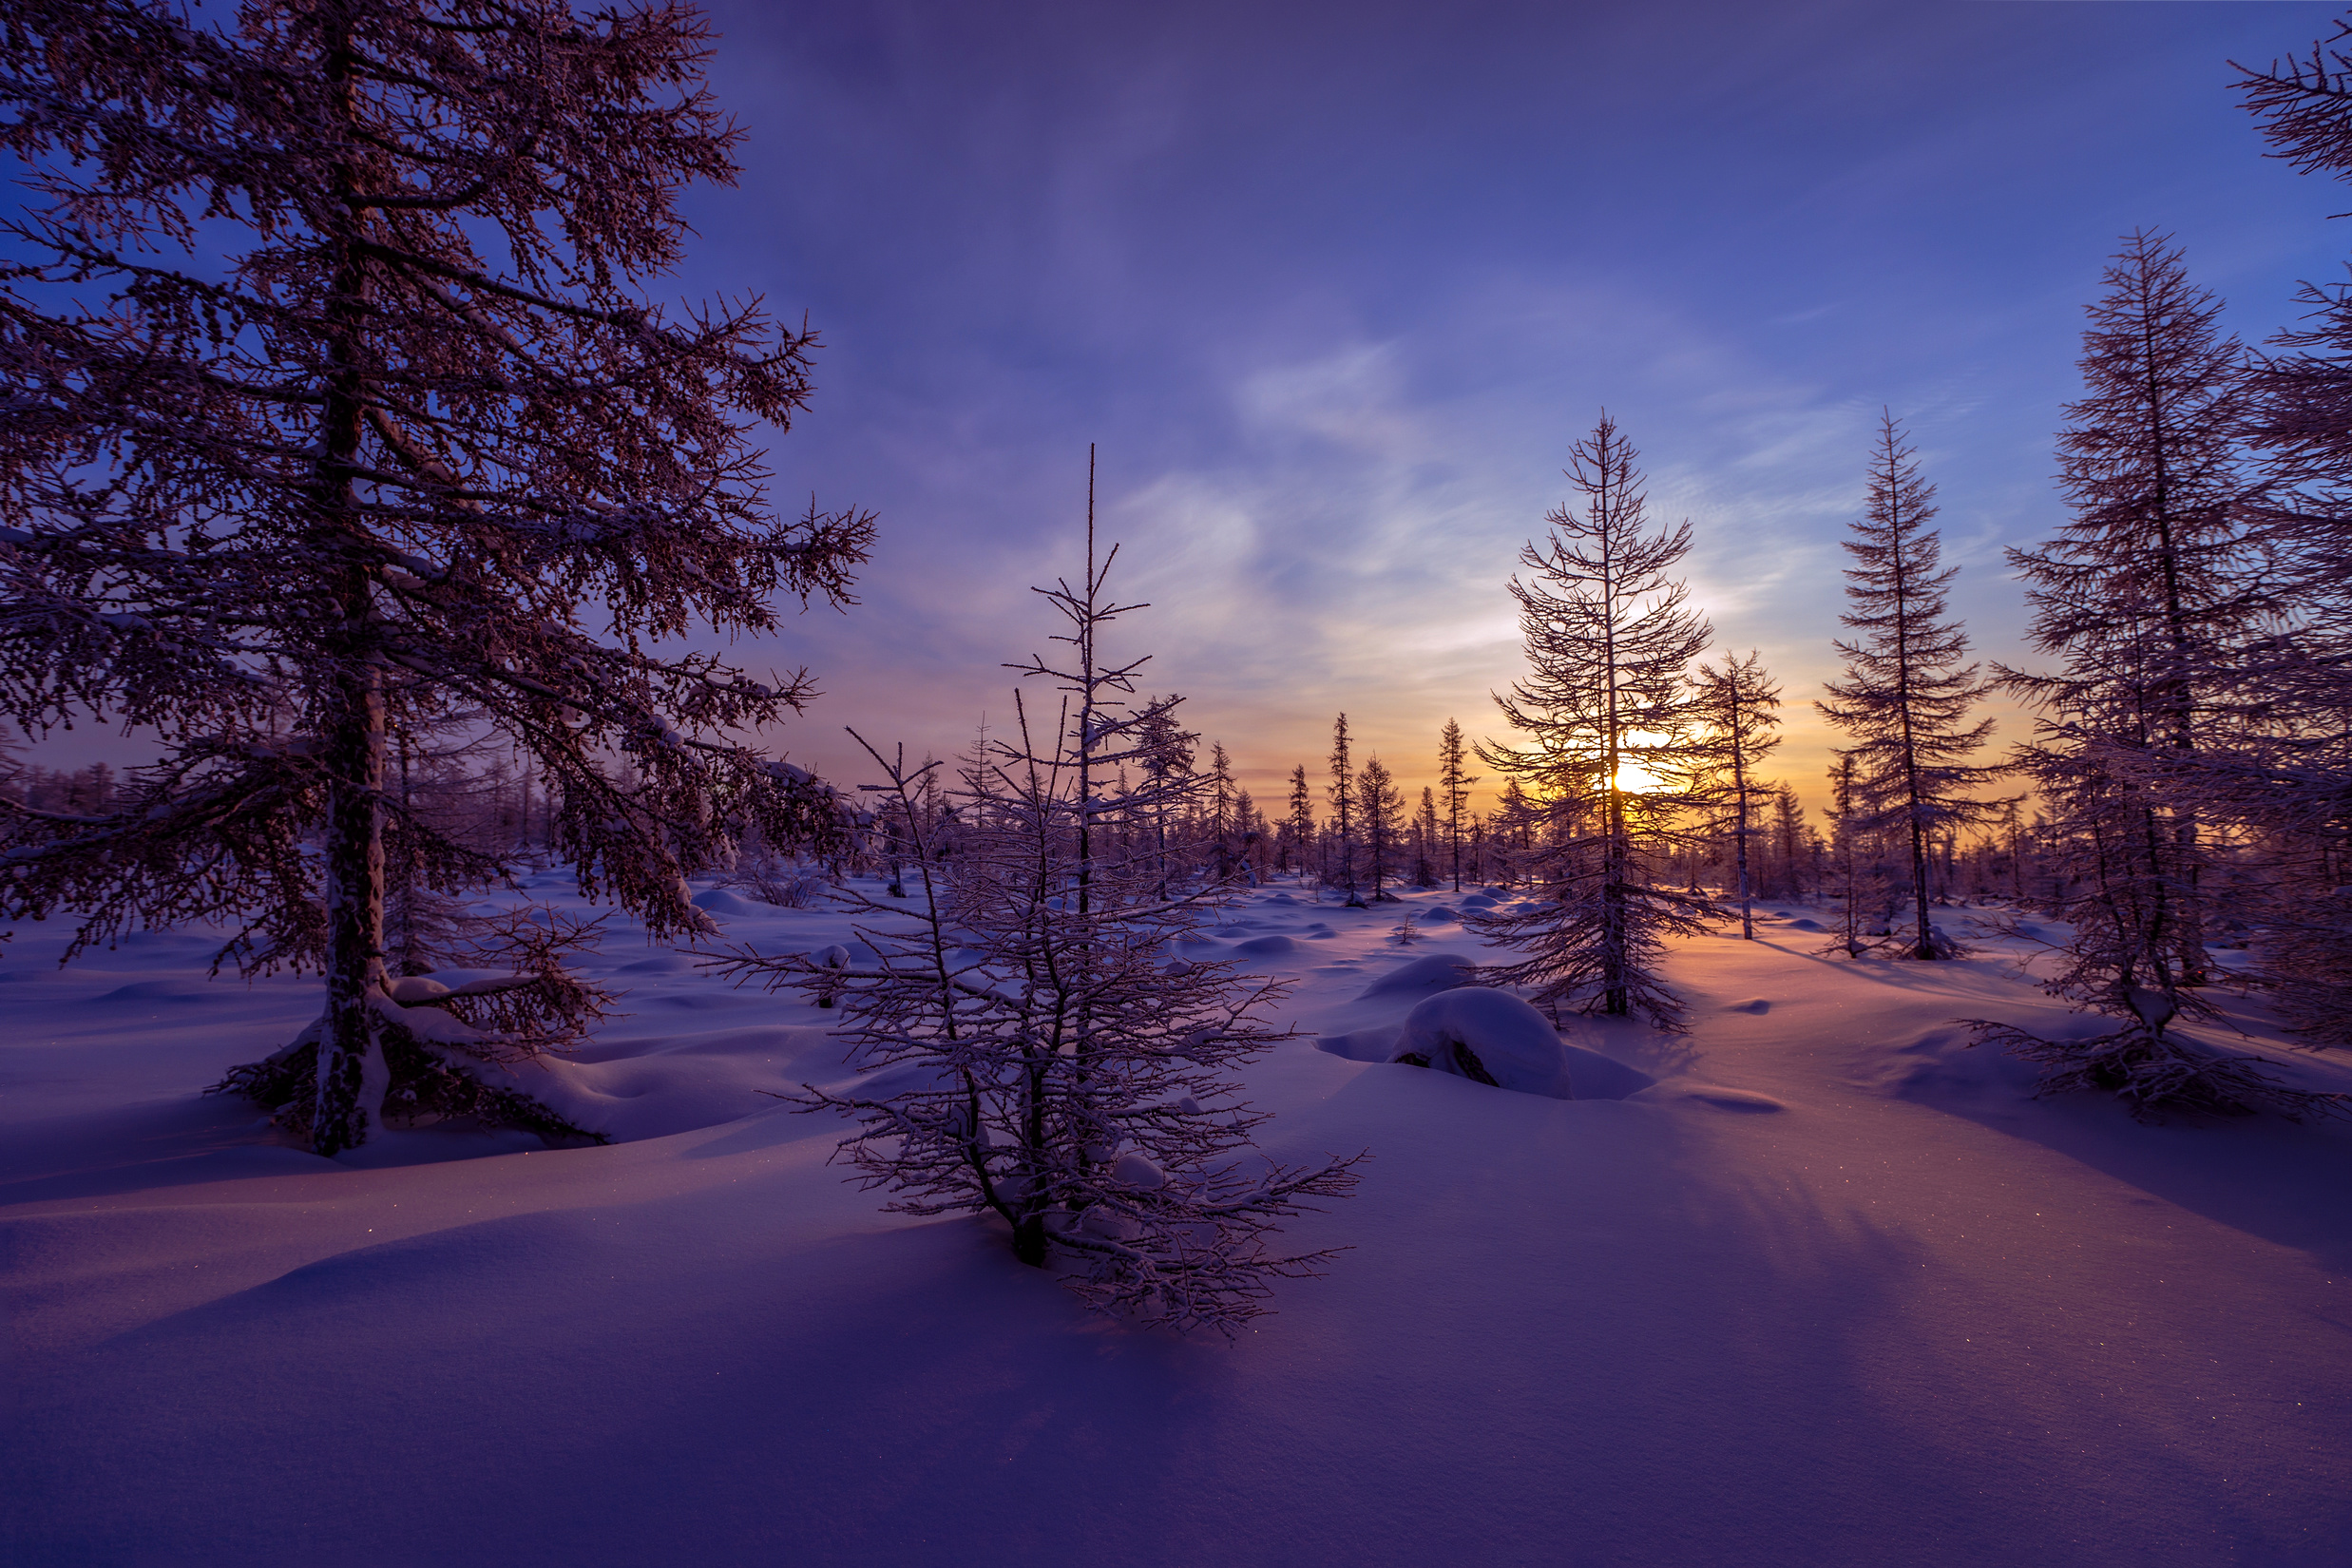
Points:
(1633, 779)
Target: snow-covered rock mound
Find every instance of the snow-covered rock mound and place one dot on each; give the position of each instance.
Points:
(1495, 1038)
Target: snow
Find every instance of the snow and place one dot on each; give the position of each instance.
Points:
(1834, 1289)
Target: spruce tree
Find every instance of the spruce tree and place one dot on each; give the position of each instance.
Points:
(1608, 714)
(336, 397)
(1907, 693)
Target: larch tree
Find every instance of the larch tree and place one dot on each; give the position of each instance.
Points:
(1427, 836)
(1033, 1052)
(2146, 598)
(2286, 769)
(1738, 710)
(337, 403)
(1298, 824)
(1380, 806)
(1908, 692)
(1608, 716)
(1455, 780)
(1340, 843)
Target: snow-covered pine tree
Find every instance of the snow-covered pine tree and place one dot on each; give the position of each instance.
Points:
(1907, 694)
(1855, 882)
(333, 393)
(1298, 825)
(1737, 709)
(2146, 597)
(1380, 808)
(2286, 769)
(1788, 836)
(1163, 752)
(1427, 836)
(1453, 759)
(1608, 712)
(1056, 1067)
(1339, 846)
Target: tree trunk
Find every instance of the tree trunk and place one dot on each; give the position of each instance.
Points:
(352, 1074)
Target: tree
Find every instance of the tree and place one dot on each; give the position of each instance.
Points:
(2148, 587)
(1845, 855)
(1789, 835)
(2142, 597)
(1453, 754)
(1426, 837)
(1380, 808)
(1906, 695)
(1046, 1061)
(335, 400)
(2282, 768)
(1737, 708)
(1607, 710)
(1224, 835)
(1298, 827)
(1340, 843)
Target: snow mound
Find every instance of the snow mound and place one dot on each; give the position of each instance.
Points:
(1363, 1044)
(1266, 947)
(1708, 1093)
(641, 1089)
(1494, 1037)
(1801, 925)
(719, 901)
(1754, 1004)
(1434, 972)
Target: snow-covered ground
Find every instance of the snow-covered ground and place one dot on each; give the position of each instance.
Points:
(1835, 1290)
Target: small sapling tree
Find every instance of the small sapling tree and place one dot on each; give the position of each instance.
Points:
(1055, 1066)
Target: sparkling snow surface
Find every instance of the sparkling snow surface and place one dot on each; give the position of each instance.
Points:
(1833, 1291)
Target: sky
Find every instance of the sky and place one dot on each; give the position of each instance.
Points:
(1333, 289)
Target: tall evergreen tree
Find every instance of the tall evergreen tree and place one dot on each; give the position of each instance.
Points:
(1907, 694)
(1380, 806)
(1340, 844)
(1427, 836)
(1298, 824)
(1607, 713)
(335, 399)
(2144, 597)
(1738, 709)
(1453, 779)
(2283, 768)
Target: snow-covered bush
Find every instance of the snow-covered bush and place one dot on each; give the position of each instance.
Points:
(1492, 1036)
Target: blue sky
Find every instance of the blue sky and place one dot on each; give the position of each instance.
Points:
(1335, 287)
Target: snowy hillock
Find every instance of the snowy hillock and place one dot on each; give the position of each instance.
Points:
(1833, 1289)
